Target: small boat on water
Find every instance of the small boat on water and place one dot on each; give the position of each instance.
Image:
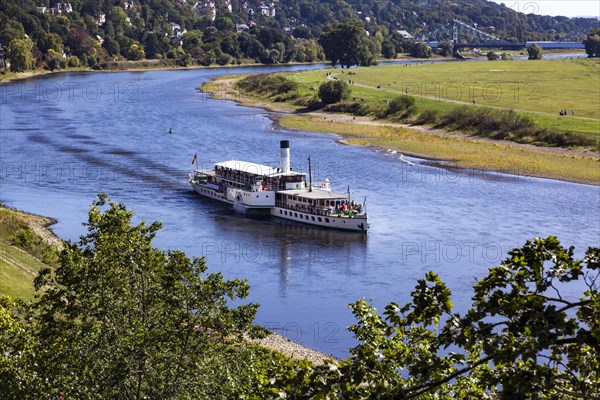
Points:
(280, 192)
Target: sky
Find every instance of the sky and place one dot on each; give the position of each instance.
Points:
(567, 8)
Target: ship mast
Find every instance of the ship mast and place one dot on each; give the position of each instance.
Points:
(309, 176)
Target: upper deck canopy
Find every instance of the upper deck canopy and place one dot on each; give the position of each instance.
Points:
(254, 168)
(316, 194)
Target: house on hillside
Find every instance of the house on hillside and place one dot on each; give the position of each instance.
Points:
(100, 18)
(404, 34)
(241, 28)
(64, 8)
(59, 8)
(176, 37)
(206, 9)
(267, 10)
(176, 28)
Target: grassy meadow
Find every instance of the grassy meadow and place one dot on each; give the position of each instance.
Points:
(538, 89)
(521, 99)
(469, 154)
(23, 252)
(541, 86)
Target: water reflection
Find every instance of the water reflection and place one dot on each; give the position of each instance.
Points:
(285, 247)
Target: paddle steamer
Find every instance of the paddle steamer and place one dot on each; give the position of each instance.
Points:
(281, 192)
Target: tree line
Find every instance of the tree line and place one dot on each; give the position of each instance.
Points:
(121, 319)
(100, 31)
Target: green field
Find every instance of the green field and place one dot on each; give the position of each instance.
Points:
(538, 88)
(467, 154)
(23, 253)
(573, 83)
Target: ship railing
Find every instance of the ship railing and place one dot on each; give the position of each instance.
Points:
(316, 210)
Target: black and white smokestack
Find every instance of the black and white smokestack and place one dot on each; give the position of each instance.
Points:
(284, 147)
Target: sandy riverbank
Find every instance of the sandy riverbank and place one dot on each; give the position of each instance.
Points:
(292, 349)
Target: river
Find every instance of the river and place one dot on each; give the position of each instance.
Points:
(68, 136)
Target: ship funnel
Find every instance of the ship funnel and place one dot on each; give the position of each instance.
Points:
(284, 147)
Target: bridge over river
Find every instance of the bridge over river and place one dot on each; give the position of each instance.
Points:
(465, 35)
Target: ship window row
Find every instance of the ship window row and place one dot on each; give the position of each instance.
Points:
(331, 203)
(302, 216)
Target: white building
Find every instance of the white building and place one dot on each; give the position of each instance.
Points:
(405, 34)
(207, 9)
(58, 9)
(64, 8)
(267, 10)
(100, 18)
(177, 31)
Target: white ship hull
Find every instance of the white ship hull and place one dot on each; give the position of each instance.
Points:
(205, 191)
(335, 221)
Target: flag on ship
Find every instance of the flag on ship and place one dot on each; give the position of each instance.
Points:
(195, 160)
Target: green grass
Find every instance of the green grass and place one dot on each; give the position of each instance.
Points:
(541, 86)
(476, 154)
(22, 253)
(463, 151)
(17, 272)
(451, 105)
(537, 88)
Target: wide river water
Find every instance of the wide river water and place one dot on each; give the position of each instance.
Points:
(68, 136)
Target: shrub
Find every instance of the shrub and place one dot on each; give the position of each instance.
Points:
(224, 59)
(310, 102)
(446, 48)
(400, 103)
(421, 50)
(28, 240)
(427, 117)
(492, 56)
(268, 84)
(509, 125)
(352, 107)
(535, 52)
(400, 107)
(291, 95)
(74, 62)
(334, 91)
(24, 238)
(53, 63)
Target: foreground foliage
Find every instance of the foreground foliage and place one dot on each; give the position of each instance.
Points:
(121, 319)
(522, 338)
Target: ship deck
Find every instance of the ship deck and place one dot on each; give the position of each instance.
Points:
(315, 194)
(248, 168)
